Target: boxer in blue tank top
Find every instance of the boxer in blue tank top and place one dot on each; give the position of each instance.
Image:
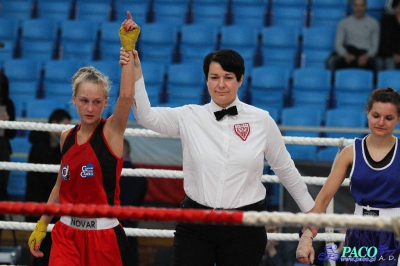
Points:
(374, 183)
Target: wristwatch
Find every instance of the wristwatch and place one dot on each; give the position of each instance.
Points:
(300, 232)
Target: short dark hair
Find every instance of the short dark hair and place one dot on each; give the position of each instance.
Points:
(59, 115)
(387, 95)
(230, 61)
(395, 3)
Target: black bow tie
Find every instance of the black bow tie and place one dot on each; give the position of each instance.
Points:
(230, 111)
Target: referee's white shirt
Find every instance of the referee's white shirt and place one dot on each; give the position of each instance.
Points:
(223, 168)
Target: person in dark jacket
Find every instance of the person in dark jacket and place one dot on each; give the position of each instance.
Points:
(45, 149)
(7, 113)
(133, 191)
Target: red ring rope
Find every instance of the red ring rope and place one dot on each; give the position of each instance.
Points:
(122, 212)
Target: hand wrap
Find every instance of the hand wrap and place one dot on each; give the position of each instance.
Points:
(305, 248)
(38, 234)
(128, 38)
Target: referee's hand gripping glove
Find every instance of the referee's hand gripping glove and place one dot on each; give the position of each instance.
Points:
(129, 33)
(305, 251)
(36, 238)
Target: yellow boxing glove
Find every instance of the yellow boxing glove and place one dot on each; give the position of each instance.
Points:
(128, 38)
(38, 234)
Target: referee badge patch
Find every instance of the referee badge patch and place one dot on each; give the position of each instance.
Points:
(243, 130)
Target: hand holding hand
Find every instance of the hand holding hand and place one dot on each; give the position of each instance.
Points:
(36, 238)
(305, 251)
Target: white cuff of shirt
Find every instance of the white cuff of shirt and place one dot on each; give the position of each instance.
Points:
(306, 203)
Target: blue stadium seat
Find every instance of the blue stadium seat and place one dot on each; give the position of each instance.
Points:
(326, 16)
(42, 108)
(333, 4)
(184, 85)
(139, 11)
(78, 39)
(109, 44)
(316, 99)
(314, 58)
(20, 146)
(158, 42)
(6, 52)
(243, 39)
(22, 69)
(269, 86)
(40, 51)
(39, 39)
(327, 154)
(20, 101)
(327, 12)
(397, 130)
(210, 12)
(173, 13)
(85, 51)
(154, 75)
(389, 78)
(26, 88)
(19, 10)
(352, 87)
(290, 13)
(111, 69)
(245, 13)
(376, 8)
(23, 75)
(196, 42)
(56, 10)
(346, 118)
(353, 80)
(58, 75)
(16, 185)
(43, 29)
(314, 79)
(302, 116)
(9, 29)
(282, 49)
(269, 106)
(317, 45)
(96, 12)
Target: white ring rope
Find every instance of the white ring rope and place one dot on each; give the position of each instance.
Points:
(249, 218)
(149, 133)
(142, 172)
(162, 233)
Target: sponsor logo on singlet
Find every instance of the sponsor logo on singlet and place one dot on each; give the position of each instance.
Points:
(374, 213)
(84, 223)
(65, 172)
(87, 171)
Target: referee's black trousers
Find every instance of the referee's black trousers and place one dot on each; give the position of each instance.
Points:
(220, 245)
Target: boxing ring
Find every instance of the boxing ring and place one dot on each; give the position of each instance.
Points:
(328, 220)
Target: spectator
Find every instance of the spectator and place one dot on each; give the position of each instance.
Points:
(7, 113)
(278, 253)
(45, 149)
(133, 191)
(390, 38)
(357, 40)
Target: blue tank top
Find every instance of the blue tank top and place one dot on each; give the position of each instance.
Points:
(375, 187)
